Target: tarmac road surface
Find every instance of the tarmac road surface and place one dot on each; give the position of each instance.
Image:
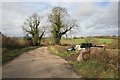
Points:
(38, 63)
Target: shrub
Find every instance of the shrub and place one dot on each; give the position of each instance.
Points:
(101, 64)
(47, 41)
(94, 41)
(114, 44)
(13, 43)
(107, 56)
(23, 42)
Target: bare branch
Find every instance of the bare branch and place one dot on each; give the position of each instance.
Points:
(69, 28)
(60, 24)
(31, 26)
(42, 34)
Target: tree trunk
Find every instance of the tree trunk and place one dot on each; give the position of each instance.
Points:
(35, 40)
(57, 40)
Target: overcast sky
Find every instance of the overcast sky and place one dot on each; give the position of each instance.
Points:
(94, 18)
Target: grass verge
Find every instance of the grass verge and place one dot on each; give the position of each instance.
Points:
(60, 51)
(96, 67)
(11, 54)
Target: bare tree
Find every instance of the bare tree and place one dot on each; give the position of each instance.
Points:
(61, 23)
(32, 28)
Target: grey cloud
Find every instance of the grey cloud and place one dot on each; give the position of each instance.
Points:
(100, 19)
(107, 16)
(92, 19)
(14, 15)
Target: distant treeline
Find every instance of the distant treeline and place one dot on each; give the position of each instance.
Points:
(108, 37)
(21, 42)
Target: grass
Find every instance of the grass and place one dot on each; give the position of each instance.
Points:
(94, 69)
(102, 64)
(105, 41)
(48, 41)
(60, 51)
(11, 54)
(78, 41)
(72, 41)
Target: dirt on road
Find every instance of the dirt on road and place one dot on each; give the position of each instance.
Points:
(38, 63)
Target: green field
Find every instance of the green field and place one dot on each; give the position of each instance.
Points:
(78, 41)
(48, 41)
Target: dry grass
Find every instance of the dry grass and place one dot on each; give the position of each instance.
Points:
(114, 44)
(108, 56)
(101, 64)
(14, 43)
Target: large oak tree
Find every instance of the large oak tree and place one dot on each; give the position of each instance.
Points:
(61, 23)
(32, 28)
